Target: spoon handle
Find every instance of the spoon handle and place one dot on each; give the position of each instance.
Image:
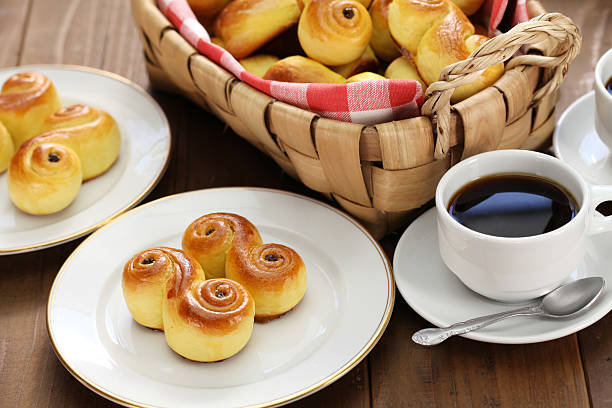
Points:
(433, 336)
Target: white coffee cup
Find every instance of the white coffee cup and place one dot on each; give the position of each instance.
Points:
(517, 269)
(603, 99)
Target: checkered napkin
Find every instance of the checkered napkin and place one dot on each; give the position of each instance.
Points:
(365, 102)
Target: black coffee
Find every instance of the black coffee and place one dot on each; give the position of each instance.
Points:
(609, 86)
(513, 205)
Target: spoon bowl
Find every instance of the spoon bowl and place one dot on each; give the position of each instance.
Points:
(570, 299)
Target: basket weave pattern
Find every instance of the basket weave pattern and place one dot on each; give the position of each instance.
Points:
(381, 173)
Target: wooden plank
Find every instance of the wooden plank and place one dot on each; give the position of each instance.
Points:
(97, 33)
(352, 391)
(596, 348)
(13, 23)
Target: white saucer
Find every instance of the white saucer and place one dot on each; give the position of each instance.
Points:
(576, 142)
(144, 154)
(347, 305)
(432, 290)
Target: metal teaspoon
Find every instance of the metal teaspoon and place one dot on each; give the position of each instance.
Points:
(565, 301)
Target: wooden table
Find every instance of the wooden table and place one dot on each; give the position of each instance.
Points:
(574, 371)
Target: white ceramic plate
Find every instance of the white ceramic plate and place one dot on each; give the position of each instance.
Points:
(144, 154)
(432, 290)
(576, 142)
(344, 312)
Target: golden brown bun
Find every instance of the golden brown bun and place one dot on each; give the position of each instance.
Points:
(91, 132)
(6, 148)
(409, 20)
(469, 7)
(204, 9)
(203, 320)
(382, 43)
(301, 69)
(364, 76)
(273, 274)
(26, 100)
(334, 32)
(437, 33)
(404, 68)
(259, 64)
(366, 62)
(46, 172)
(246, 25)
(43, 178)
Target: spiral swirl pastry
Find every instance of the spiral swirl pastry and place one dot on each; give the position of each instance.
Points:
(436, 33)
(229, 245)
(246, 25)
(44, 178)
(203, 320)
(46, 172)
(6, 148)
(91, 132)
(334, 32)
(26, 100)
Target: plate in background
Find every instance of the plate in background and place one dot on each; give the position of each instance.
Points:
(577, 143)
(144, 155)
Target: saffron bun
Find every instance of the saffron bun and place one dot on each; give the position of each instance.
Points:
(469, 7)
(6, 148)
(26, 100)
(436, 33)
(334, 32)
(246, 25)
(301, 69)
(203, 320)
(46, 172)
(366, 62)
(91, 132)
(43, 178)
(383, 45)
(403, 68)
(228, 244)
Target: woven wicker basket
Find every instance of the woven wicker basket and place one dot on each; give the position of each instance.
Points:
(381, 173)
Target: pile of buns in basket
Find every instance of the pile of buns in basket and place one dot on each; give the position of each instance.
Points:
(341, 41)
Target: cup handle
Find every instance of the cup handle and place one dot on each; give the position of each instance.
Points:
(600, 223)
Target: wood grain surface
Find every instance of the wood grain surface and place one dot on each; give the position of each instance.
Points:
(574, 371)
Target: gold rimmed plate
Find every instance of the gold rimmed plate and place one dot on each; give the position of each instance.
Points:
(346, 308)
(143, 158)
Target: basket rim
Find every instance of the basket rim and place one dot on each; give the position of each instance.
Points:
(233, 79)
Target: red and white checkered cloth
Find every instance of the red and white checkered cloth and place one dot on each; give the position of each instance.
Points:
(366, 102)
